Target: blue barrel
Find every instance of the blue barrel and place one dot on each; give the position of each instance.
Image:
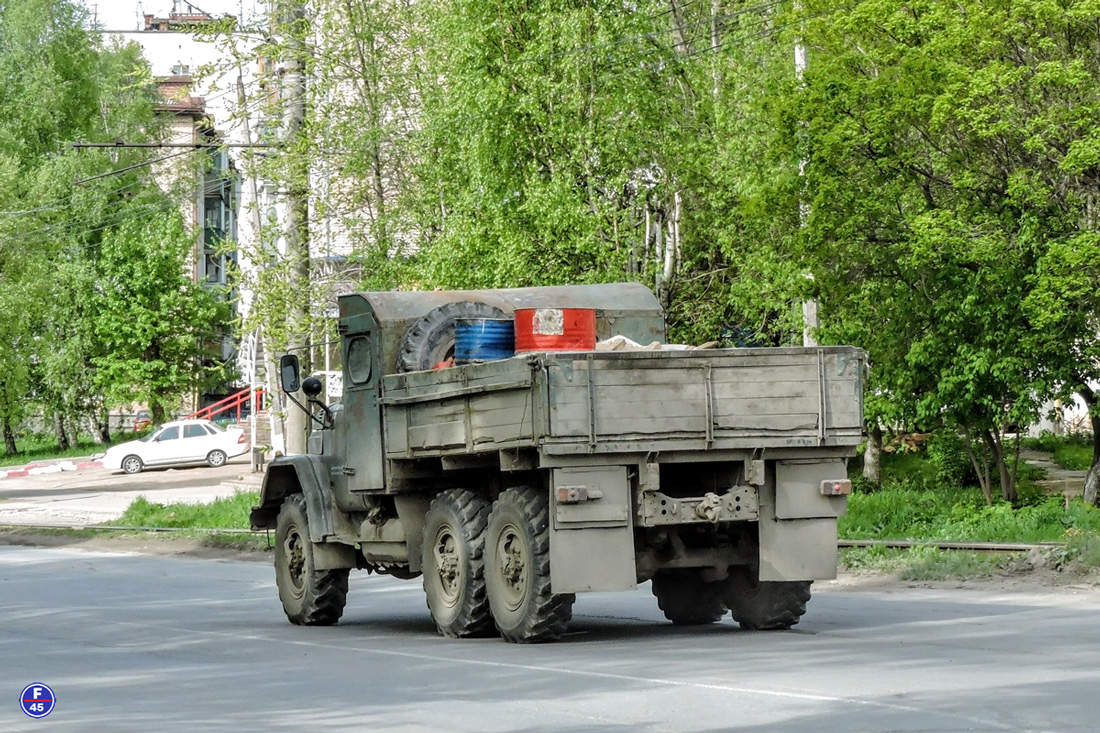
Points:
(484, 339)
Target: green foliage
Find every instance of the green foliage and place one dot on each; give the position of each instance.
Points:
(69, 326)
(947, 452)
(1074, 457)
(949, 230)
(923, 563)
(541, 143)
(152, 319)
(1081, 553)
(1073, 452)
(961, 515)
(227, 513)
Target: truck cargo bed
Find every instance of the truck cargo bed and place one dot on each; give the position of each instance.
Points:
(629, 402)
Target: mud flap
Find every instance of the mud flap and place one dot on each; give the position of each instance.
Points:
(332, 556)
(591, 530)
(798, 524)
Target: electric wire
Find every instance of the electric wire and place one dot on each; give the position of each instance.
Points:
(672, 59)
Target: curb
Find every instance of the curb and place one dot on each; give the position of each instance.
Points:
(37, 469)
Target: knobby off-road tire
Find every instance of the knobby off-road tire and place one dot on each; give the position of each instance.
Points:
(517, 569)
(765, 605)
(432, 338)
(453, 562)
(686, 599)
(310, 597)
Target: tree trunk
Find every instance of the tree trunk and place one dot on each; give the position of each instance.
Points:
(102, 432)
(9, 438)
(995, 443)
(981, 467)
(1092, 484)
(59, 429)
(872, 457)
(1092, 478)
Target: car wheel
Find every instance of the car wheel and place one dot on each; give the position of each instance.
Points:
(132, 464)
(216, 458)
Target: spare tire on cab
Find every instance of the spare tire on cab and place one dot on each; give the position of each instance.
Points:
(431, 339)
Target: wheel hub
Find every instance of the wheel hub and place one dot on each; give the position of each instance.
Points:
(512, 564)
(295, 561)
(448, 566)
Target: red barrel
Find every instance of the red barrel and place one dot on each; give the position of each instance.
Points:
(555, 329)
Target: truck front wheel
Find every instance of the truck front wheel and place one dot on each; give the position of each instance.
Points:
(310, 597)
(764, 605)
(453, 563)
(517, 576)
(686, 599)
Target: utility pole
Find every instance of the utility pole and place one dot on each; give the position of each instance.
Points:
(257, 349)
(809, 307)
(292, 18)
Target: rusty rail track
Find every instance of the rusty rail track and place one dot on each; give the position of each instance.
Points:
(961, 546)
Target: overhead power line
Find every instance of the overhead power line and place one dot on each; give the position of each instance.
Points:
(128, 168)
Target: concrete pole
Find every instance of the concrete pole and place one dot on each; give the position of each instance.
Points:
(809, 307)
(293, 29)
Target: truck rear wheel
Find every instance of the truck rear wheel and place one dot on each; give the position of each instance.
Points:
(310, 597)
(453, 562)
(765, 605)
(517, 576)
(432, 338)
(686, 599)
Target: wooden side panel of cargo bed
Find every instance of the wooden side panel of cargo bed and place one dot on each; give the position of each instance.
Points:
(808, 394)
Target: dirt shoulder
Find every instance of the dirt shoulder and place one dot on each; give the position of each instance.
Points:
(148, 543)
(1024, 580)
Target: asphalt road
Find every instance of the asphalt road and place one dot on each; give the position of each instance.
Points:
(141, 643)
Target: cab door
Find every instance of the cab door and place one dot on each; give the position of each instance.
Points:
(364, 464)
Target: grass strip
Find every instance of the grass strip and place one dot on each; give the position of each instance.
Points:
(225, 513)
(961, 515)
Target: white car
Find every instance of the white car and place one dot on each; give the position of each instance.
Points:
(183, 441)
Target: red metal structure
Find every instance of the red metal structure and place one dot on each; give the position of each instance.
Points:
(232, 404)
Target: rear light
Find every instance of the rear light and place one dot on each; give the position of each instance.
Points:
(836, 488)
(241, 440)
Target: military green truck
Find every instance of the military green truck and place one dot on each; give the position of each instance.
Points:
(512, 485)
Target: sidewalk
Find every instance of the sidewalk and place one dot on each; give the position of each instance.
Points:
(1064, 480)
(78, 498)
(38, 468)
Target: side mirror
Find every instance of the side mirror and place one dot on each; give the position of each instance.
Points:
(312, 386)
(289, 373)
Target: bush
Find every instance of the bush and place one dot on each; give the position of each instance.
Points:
(948, 455)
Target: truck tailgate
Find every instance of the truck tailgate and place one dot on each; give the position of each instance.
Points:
(715, 399)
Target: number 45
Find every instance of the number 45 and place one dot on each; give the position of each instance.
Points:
(38, 707)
